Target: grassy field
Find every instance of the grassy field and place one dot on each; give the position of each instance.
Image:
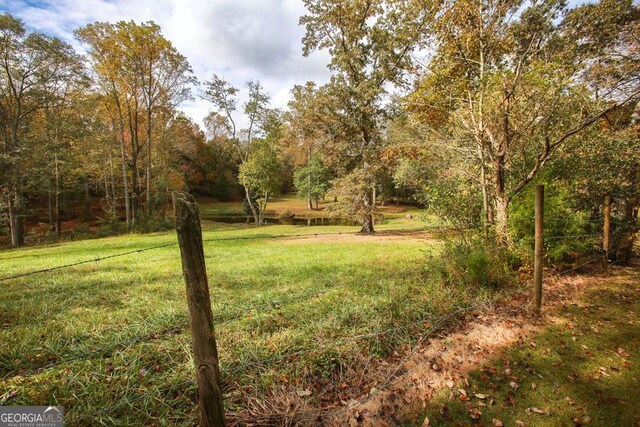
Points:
(109, 340)
(298, 206)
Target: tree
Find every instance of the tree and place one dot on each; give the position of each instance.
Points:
(504, 94)
(143, 75)
(223, 96)
(33, 68)
(260, 175)
(313, 180)
(165, 73)
(302, 138)
(370, 42)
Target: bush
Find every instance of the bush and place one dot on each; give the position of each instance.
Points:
(474, 261)
(110, 226)
(454, 201)
(286, 217)
(81, 231)
(567, 230)
(151, 224)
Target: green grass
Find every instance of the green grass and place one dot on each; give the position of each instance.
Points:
(292, 203)
(582, 370)
(109, 340)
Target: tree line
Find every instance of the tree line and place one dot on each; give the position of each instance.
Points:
(457, 105)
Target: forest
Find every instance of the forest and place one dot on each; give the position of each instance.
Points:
(404, 185)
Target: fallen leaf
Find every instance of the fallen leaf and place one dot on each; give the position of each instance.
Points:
(537, 410)
(450, 384)
(582, 420)
(475, 414)
(480, 395)
(303, 393)
(513, 385)
(425, 423)
(496, 422)
(520, 423)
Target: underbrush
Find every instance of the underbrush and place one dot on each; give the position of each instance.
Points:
(107, 226)
(473, 260)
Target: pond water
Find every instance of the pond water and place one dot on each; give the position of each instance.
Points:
(248, 219)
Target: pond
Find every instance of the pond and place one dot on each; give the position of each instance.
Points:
(248, 219)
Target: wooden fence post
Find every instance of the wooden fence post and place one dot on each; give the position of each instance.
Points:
(539, 251)
(201, 318)
(607, 227)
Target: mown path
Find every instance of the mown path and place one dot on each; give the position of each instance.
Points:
(578, 364)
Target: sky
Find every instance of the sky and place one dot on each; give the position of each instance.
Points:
(239, 40)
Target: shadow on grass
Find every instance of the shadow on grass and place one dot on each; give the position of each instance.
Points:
(584, 370)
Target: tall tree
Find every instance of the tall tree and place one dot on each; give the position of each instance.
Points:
(223, 96)
(505, 92)
(370, 42)
(33, 68)
(144, 75)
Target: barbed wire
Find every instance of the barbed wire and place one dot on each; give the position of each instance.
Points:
(87, 261)
(108, 351)
(218, 239)
(592, 260)
(434, 325)
(391, 378)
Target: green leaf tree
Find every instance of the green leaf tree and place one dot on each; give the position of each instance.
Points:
(313, 180)
(261, 176)
(370, 43)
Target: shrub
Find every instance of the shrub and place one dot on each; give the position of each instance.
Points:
(151, 224)
(286, 217)
(473, 261)
(110, 226)
(567, 230)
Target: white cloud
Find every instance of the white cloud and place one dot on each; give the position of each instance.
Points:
(239, 40)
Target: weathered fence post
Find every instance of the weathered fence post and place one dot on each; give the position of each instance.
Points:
(539, 251)
(201, 318)
(607, 227)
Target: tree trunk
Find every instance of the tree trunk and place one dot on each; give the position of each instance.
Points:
(256, 218)
(12, 220)
(19, 231)
(113, 186)
(367, 224)
(125, 184)
(87, 200)
(367, 219)
(631, 215)
(52, 225)
(501, 203)
(149, 205)
(58, 204)
(374, 196)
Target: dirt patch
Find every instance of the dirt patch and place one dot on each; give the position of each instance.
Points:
(378, 237)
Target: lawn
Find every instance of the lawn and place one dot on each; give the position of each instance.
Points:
(110, 342)
(298, 206)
